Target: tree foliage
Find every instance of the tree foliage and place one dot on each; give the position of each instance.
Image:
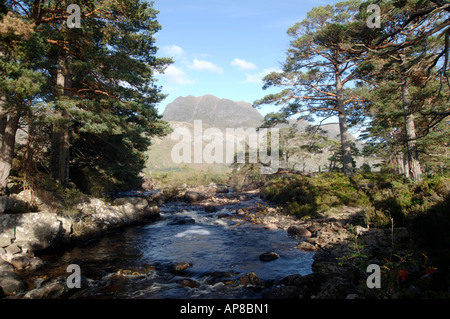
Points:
(392, 80)
(90, 90)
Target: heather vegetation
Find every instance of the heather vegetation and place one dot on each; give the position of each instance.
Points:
(382, 196)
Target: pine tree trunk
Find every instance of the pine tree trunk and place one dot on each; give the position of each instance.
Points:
(29, 155)
(7, 148)
(347, 160)
(3, 118)
(60, 141)
(405, 164)
(402, 164)
(415, 170)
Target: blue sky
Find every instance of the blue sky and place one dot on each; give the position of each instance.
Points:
(224, 47)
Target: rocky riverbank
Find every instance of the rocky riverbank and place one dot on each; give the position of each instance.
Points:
(23, 235)
(343, 246)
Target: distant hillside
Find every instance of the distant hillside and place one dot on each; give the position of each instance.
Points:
(213, 111)
(223, 113)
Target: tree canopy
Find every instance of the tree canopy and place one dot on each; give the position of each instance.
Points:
(391, 79)
(90, 89)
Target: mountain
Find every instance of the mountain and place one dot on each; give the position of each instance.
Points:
(213, 111)
(221, 114)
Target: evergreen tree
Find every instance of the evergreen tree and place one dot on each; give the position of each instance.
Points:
(19, 83)
(101, 84)
(318, 68)
(403, 66)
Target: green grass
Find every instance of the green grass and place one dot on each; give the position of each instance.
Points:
(190, 177)
(382, 196)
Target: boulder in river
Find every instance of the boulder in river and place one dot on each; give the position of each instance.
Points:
(269, 256)
(250, 279)
(299, 231)
(185, 220)
(152, 213)
(50, 290)
(222, 189)
(179, 267)
(11, 283)
(307, 246)
(210, 209)
(192, 197)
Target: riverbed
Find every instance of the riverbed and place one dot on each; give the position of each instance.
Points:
(190, 253)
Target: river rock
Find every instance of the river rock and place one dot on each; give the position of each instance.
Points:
(306, 285)
(152, 213)
(5, 240)
(20, 261)
(179, 266)
(210, 209)
(314, 228)
(7, 226)
(41, 230)
(269, 256)
(27, 196)
(299, 231)
(192, 197)
(222, 189)
(137, 203)
(13, 249)
(336, 288)
(250, 279)
(5, 204)
(50, 290)
(35, 263)
(5, 266)
(283, 292)
(271, 226)
(11, 283)
(182, 220)
(307, 246)
(12, 205)
(190, 283)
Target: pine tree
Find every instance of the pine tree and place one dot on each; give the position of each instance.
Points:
(402, 68)
(100, 81)
(19, 84)
(318, 68)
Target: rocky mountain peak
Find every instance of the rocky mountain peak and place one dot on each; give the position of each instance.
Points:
(213, 111)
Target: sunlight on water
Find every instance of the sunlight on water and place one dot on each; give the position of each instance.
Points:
(215, 251)
(194, 230)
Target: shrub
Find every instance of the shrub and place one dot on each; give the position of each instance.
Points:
(309, 196)
(384, 196)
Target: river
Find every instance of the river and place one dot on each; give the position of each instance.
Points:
(188, 254)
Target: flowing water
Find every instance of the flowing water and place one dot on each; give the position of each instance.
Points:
(213, 250)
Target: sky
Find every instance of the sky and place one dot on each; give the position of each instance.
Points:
(225, 47)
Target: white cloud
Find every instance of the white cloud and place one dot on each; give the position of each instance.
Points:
(202, 65)
(243, 65)
(257, 78)
(173, 50)
(177, 75)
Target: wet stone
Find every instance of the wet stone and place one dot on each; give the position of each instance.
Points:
(11, 283)
(269, 256)
(250, 279)
(180, 266)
